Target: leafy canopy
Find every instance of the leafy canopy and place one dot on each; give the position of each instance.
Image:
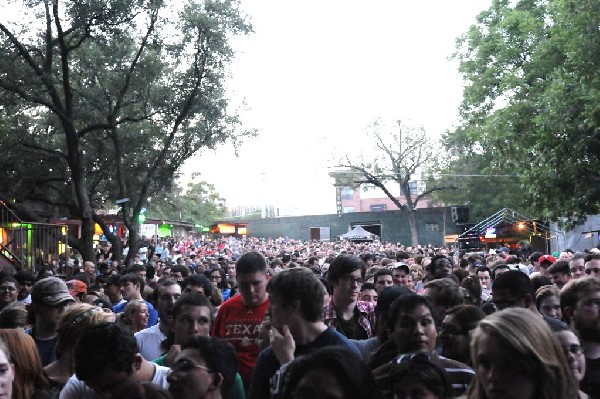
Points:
(107, 98)
(531, 103)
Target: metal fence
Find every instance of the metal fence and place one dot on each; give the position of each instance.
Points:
(30, 245)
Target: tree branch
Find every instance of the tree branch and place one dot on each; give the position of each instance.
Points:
(199, 71)
(95, 126)
(45, 200)
(114, 240)
(64, 63)
(134, 62)
(79, 42)
(372, 179)
(38, 71)
(432, 190)
(48, 56)
(45, 150)
(36, 100)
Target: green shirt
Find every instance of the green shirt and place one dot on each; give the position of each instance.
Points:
(236, 391)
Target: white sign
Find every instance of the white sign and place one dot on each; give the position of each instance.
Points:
(149, 230)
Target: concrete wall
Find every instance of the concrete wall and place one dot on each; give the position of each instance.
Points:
(394, 225)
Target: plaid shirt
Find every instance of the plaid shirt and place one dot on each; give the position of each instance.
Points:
(366, 318)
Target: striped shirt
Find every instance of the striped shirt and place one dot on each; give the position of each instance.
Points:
(459, 375)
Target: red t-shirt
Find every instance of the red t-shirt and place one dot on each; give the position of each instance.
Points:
(239, 324)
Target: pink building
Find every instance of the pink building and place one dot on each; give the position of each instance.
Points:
(357, 200)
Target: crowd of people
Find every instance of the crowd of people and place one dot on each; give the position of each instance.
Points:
(258, 319)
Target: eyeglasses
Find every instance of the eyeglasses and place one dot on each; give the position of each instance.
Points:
(185, 366)
(349, 279)
(10, 289)
(573, 349)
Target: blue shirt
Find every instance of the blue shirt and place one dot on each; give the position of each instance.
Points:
(45, 347)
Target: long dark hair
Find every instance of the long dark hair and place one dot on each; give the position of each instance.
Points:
(351, 373)
(425, 369)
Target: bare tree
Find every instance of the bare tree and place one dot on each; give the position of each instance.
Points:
(399, 157)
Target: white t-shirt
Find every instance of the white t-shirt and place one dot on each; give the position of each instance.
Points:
(76, 389)
(160, 376)
(142, 253)
(148, 341)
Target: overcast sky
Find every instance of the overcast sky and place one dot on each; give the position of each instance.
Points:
(315, 73)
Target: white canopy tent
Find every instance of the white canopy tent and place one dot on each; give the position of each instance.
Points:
(358, 234)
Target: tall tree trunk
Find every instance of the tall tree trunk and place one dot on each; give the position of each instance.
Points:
(134, 242)
(414, 232)
(117, 249)
(87, 239)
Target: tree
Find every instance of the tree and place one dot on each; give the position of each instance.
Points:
(400, 156)
(532, 100)
(198, 203)
(115, 95)
(482, 181)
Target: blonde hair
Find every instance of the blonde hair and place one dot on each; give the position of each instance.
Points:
(425, 262)
(530, 338)
(418, 269)
(130, 309)
(75, 320)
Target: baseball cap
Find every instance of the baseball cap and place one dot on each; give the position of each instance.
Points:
(402, 266)
(76, 287)
(51, 291)
(547, 258)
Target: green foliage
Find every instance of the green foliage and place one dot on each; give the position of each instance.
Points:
(531, 104)
(197, 203)
(107, 98)
(482, 185)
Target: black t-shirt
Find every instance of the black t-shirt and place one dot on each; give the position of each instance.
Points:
(267, 364)
(350, 328)
(591, 381)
